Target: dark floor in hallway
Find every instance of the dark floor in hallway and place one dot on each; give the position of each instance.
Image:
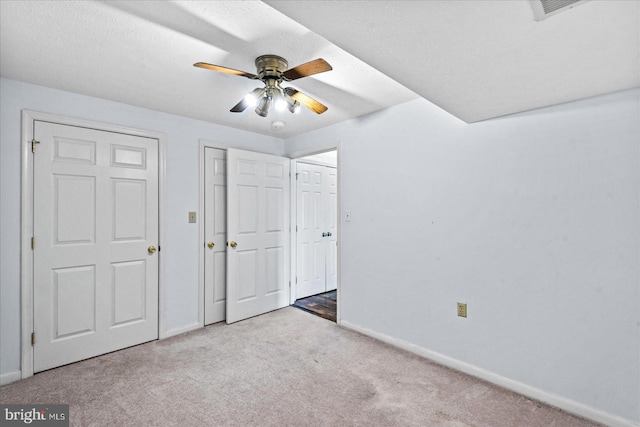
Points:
(322, 305)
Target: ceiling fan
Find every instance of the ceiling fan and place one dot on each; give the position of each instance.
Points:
(272, 71)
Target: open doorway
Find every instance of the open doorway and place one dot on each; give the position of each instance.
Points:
(316, 234)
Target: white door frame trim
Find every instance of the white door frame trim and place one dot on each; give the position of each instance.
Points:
(294, 218)
(26, 220)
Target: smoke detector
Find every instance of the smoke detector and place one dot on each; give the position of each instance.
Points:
(277, 125)
(542, 9)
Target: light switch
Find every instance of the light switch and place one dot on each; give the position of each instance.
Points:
(347, 215)
(462, 309)
(192, 217)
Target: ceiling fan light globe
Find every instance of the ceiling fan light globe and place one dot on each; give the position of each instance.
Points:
(281, 104)
(263, 106)
(251, 100)
(294, 107)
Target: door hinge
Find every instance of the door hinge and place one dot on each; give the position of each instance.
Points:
(296, 280)
(297, 175)
(289, 284)
(33, 338)
(33, 145)
(33, 243)
(296, 228)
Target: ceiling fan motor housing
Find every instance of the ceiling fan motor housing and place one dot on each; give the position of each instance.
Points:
(271, 67)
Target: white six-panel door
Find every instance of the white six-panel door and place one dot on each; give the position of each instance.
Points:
(215, 235)
(96, 229)
(258, 234)
(316, 250)
(311, 206)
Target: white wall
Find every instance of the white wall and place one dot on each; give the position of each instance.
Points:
(531, 219)
(329, 158)
(180, 250)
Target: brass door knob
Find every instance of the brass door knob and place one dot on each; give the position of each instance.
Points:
(211, 245)
(151, 249)
(233, 244)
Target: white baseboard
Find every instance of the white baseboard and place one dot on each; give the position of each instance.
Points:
(559, 402)
(10, 377)
(182, 330)
(17, 375)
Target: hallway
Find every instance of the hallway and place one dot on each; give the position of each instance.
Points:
(322, 305)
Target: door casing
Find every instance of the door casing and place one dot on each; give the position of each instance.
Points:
(27, 212)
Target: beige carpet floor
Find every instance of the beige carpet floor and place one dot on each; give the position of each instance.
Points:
(286, 368)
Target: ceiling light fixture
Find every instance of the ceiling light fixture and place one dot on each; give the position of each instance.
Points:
(272, 95)
(272, 70)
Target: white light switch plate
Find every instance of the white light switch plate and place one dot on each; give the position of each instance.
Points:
(347, 215)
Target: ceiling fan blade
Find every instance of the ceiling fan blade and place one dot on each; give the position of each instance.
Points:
(224, 70)
(307, 69)
(305, 100)
(240, 106)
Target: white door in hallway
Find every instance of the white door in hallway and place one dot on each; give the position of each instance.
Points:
(311, 206)
(95, 242)
(215, 235)
(258, 234)
(316, 251)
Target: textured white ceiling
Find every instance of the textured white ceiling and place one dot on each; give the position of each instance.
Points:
(484, 59)
(142, 53)
(475, 59)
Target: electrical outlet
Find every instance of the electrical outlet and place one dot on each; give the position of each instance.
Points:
(462, 309)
